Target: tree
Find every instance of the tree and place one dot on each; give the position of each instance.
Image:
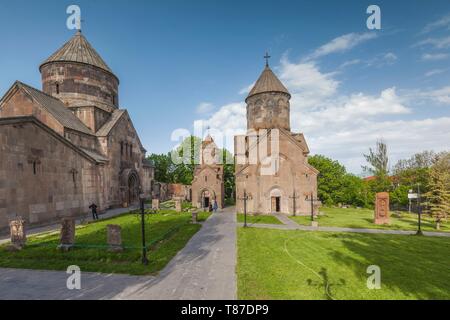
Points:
(438, 196)
(378, 160)
(329, 180)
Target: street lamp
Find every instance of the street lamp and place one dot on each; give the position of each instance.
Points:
(419, 231)
(411, 196)
(245, 198)
(144, 247)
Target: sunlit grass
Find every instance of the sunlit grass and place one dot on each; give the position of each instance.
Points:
(279, 264)
(166, 233)
(364, 218)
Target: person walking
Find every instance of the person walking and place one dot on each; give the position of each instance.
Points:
(215, 206)
(94, 207)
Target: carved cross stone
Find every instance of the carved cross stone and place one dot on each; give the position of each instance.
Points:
(67, 237)
(155, 204)
(18, 234)
(114, 238)
(382, 208)
(178, 207)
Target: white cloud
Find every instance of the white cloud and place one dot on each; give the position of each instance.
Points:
(342, 44)
(441, 96)
(381, 60)
(247, 89)
(434, 56)
(349, 63)
(444, 22)
(343, 127)
(434, 72)
(205, 107)
(438, 43)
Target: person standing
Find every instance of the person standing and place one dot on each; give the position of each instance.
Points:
(215, 206)
(94, 207)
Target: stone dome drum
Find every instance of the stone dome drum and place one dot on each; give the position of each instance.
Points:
(77, 75)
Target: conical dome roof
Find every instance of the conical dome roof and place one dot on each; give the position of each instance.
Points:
(268, 82)
(78, 49)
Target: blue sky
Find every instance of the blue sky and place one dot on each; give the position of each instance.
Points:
(182, 61)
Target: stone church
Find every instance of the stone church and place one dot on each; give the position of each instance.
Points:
(68, 145)
(208, 182)
(272, 167)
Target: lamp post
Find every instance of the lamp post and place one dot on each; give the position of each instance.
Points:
(144, 247)
(411, 196)
(419, 208)
(245, 198)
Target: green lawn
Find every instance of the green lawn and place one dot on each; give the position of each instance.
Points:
(166, 233)
(279, 264)
(252, 219)
(363, 218)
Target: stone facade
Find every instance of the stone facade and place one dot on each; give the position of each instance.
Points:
(271, 161)
(208, 182)
(69, 145)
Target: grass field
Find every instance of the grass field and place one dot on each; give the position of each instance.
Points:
(363, 218)
(252, 219)
(166, 233)
(279, 264)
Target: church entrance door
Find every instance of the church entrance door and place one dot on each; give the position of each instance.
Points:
(276, 204)
(133, 189)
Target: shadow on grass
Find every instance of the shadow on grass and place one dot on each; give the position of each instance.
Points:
(417, 266)
(325, 284)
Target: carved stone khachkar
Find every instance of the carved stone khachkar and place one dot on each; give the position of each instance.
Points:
(178, 207)
(382, 208)
(155, 204)
(67, 236)
(195, 216)
(114, 238)
(18, 234)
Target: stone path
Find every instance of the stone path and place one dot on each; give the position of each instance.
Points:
(289, 224)
(204, 269)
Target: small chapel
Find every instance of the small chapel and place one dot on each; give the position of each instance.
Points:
(272, 170)
(69, 144)
(208, 182)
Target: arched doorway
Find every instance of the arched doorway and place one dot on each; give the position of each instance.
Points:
(133, 188)
(207, 197)
(130, 186)
(275, 200)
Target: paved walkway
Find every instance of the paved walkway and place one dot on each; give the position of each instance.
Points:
(289, 224)
(204, 269)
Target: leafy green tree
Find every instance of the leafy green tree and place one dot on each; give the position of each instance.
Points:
(438, 196)
(163, 167)
(329, 180)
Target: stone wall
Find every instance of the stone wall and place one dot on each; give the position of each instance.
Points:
(268, 110)
(78, 84)
(45, 178)
(293, 175)
(208, 180)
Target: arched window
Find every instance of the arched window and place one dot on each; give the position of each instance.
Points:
(121, 148)
(57, 88)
